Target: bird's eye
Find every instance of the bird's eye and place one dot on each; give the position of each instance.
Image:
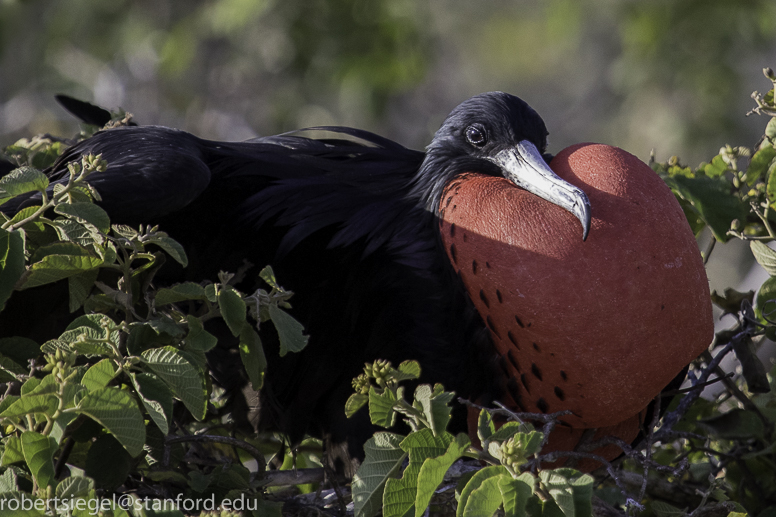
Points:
(476, 136)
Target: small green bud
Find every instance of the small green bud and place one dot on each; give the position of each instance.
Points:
(361, 384)
(512, 452)
(768, 72)
(735, 225)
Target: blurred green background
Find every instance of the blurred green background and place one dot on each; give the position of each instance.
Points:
(669, 75)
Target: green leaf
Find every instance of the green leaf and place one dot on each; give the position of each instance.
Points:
(516, 492)
(476, 482)
(571, 490)
(252, 355)
(433, 471)
(210, 292)
(80, 286)
(736, 424)
(26, 505)
(20, 349)
(765, 302)
(355, 402)
(20, 181)
(400, 494)
(164, 324)
(39, 452)
(13, 451)
(730, 300)
(198, 338)
(770, 188)
(381, 407)
(535, 507)
(232, 310)
(85, 333)
(436, 408)
(171, 247)
(180, 293)
(765, 256)
(32, 404)
(11, 263)
(156, 397)
(23, 214)
(70, 259)
(770, 129)
(85, 340)
(713, 200)
(407, 371)
(268, 276)
(10, 370)
(92, 348)
(716, 168)
(96, 322)
(85, 213)
(8, 481)
(485, 499)
(181, 376)
(508, 430)
(85, 234)
(143, 337)
(117, 411)
(99, 375)
(108, 463)
(758, 166)
(73, 487)
(125, 231)
(752, 368)
(31, 384)
(485, 426)
(6, 402)
(290, 331)
(694, 219)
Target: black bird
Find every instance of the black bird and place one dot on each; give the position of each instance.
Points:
(349, 221)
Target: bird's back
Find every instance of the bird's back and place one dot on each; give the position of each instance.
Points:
(333, 218)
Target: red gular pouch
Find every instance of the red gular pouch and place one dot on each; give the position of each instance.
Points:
(597, 327)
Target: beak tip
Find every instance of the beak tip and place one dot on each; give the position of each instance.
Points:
(582, 211)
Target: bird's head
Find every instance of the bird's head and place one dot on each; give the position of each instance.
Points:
(497, 134)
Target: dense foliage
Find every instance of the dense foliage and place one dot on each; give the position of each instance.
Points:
(122, 403)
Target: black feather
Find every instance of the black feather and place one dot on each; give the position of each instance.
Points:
(84, 111)
(347, 219)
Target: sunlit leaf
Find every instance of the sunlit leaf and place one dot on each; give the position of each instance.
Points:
(383, 459)
(11, 263)
(290, 331)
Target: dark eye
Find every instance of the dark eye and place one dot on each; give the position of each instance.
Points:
(476, 135)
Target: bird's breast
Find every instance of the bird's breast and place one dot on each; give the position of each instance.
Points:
(598, 327)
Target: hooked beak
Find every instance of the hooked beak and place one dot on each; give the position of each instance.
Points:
(525, 167)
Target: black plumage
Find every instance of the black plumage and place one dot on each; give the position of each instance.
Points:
(349, 222)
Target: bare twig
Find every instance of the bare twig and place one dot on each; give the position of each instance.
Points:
(674, 416)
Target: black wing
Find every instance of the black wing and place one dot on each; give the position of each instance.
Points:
(333, 217)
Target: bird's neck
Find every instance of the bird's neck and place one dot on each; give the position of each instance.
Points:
(438, 169)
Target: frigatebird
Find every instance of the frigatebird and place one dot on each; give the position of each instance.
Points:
(350, 221)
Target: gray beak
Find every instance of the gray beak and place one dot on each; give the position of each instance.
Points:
(524, 166)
